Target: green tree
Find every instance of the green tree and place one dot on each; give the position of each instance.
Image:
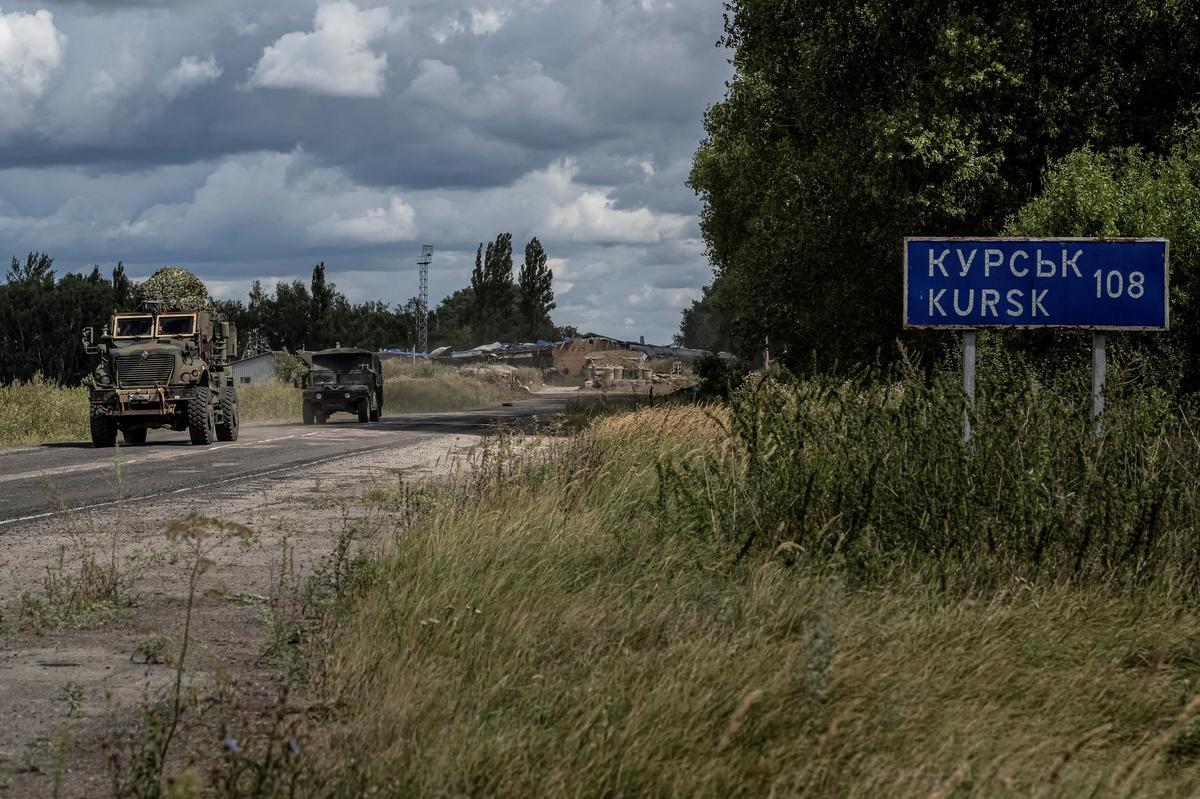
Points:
(536, 297)
(848, 126)
(492, 284)
(1128, 192)
(122, 289)
(705, 325)
(41, 317)
(323, 297)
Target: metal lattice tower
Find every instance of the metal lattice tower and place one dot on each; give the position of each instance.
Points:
(423, 299)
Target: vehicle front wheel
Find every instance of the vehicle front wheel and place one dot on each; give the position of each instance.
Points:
(307, 412)
(200, 417)
(103, 426)
(364, 413)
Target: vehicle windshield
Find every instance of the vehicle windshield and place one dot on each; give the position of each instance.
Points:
(133, 326)
(323, 377)
(352, 378)
(176, 325)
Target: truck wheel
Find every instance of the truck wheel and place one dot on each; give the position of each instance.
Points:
(364, 413)
(228, 429)
(104, 427)
(135, 436)
(374, 414)
(307, 412)
(321, 417)
(200, 417)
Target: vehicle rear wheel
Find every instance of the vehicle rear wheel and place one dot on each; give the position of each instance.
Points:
(135, 436)
(104, 427)
(307, 412)
(364, 413)
(200, 417)
(228, 429)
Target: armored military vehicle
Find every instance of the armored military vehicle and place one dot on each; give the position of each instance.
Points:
(163, 368)
(342, 379)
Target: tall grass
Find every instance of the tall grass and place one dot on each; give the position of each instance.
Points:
(879, 477)
(580, 629)
(268, 401)
(39, 411)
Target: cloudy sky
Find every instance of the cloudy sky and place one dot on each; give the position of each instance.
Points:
(250, 140)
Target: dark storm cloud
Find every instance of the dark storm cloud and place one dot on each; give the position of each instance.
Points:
(258, 138)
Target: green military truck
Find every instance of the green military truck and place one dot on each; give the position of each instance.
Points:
(163, 369)
(342, 379)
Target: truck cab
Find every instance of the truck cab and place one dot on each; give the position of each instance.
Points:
(343, 380)
(161, 369)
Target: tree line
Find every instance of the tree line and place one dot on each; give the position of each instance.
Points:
(847, 127)
(41, 313)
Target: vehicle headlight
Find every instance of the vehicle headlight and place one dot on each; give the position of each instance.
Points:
(186, 377)
(318, 395)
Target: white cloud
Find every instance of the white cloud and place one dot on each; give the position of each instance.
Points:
(379, 225)
(591, 215)
(479, 21)
(191, 73)
(31, 50)
(256, 201)
(334, 58)
(488, 20)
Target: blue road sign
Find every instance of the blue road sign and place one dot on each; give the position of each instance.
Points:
(1099, 284)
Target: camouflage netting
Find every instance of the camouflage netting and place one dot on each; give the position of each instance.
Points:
(175, 288)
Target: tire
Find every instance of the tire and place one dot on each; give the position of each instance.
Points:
(134, 437)
(103, 426)
(200, 417)
(374, 414)
(307, 412)
(228, 430)
(364, 412)
(321, 417)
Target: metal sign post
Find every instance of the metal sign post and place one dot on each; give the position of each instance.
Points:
(1099, 362)
(968, 341)
(1096, 284)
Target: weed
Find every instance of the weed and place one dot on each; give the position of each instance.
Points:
(75, 594)
(62, 744)
(153, 651)
(72, 696)
(139, 770)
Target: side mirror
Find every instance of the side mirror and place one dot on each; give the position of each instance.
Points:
(89, 341)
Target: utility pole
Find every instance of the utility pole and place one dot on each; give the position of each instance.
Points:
(423, 300)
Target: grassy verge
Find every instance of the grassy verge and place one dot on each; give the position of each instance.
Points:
(638, 616)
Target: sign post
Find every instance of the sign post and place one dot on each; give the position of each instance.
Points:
(1101, 284)
(1099, 365)
(968, 355)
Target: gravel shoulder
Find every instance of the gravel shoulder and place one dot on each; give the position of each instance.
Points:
(64, 690)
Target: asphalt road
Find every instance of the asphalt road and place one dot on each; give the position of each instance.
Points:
(37, 482)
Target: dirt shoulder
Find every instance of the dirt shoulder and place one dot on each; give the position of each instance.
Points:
(73, 671)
